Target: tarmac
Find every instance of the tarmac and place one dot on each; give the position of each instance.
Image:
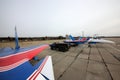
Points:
(98, 62)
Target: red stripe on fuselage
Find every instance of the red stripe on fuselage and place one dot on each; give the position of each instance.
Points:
(83, 39)
(22, 55)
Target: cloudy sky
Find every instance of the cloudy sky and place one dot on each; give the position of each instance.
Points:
(34, 18)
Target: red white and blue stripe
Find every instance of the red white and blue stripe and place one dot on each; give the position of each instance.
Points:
(17, 66)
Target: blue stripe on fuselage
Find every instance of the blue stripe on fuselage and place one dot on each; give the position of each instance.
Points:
(21, 72)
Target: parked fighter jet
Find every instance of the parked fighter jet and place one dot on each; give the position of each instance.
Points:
(15, 63)
(94, 41)
(97, 40)
(88, 40)
(72, 40)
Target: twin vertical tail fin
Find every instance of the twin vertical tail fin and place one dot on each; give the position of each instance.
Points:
(72, 38)
(80, 38)
(16, 40)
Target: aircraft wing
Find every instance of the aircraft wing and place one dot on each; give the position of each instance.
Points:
(99, 41)
(16, 65)
(20, 68)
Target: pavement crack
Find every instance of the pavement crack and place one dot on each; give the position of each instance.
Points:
(71, 63)
(112, 54)
(88, 60)
(105, 64)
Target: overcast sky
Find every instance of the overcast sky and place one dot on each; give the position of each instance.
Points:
(34, 18)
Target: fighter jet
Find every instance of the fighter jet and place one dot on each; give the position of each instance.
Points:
(15, 63)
